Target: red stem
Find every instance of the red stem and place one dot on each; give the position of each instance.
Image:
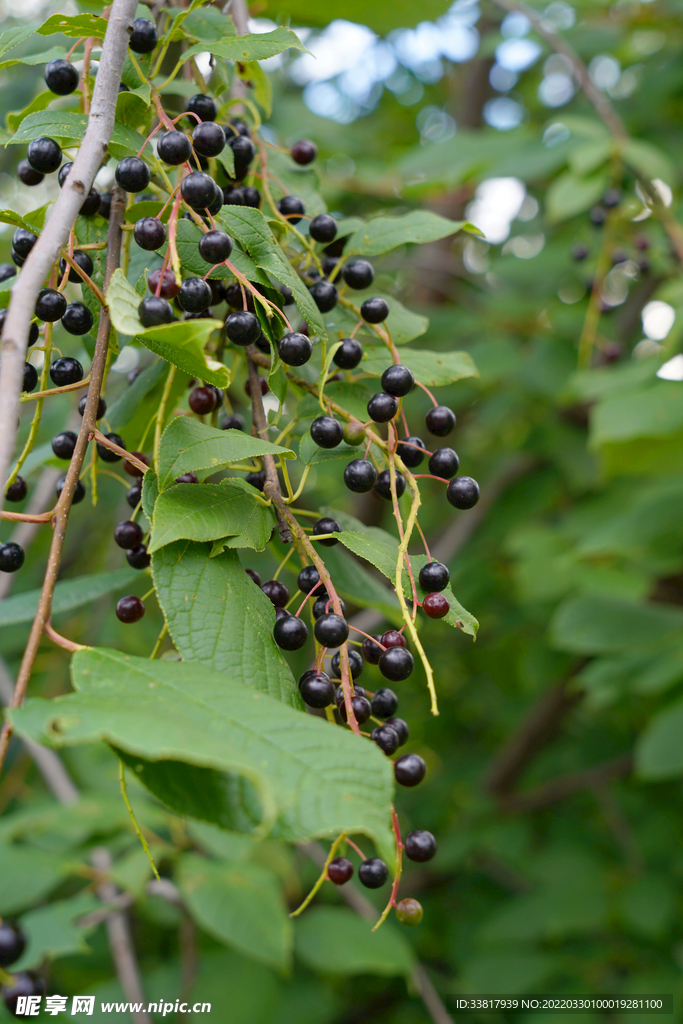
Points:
(427, 392)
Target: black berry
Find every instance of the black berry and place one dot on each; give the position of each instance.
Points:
(444, 462)
(382, 407)
(323, 228)
(215, 246)
(101, 407)
(290, 633)
(79, 493)
(355, 664)
(243, 328)
(295, 349)
(134, 495)
(50, 305)
(65, 370)
(308, 578)
(317, 691)
(17, 491)
(7, 271)
(400, 727)
(82, 260)
(138, 558)
(463, 492)
(203, 106)
(409, 770)
(420, 845)
(320, 606)
(129, 609)
(358, 274)
(253, 575)
(61, 77)
(202, 401)
(326, 431)
(375, 310)
(44, 155)
(12, 942)
(243, 150)
(198, 190)
(106, 454)
(143, 38)
(383, 485)
(360, 476)
(339, 870)
(385, 702)
(371, 651)
(28, 175)
(23, 984)
(361, 709)
(11, 557)
(292, 208)
(356, 691)
(187, 478)
(149, 233)
(174, 148)
(91, 203)
(63, 444)
(194, 295)
(77, 319)
(331, 630)
(349, 354)
(251, 196)
(277, 592)
(392, 638)
(257, 479)
(208, 138)
(30, 378)
(23, 241)
(434, 576)
(398, 380)
(132, 174)
(324, 295)
(373, 873)
(234, 422)
(326, 525)
(411, 451)
(396, 663)
(64, 173)
(440, 420)
(154, 310)
(128, 534)
(385, 738)
(304, 152)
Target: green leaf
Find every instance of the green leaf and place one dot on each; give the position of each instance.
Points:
(353, 397)
(53, 53)
(251, 230)
(311, 454)
(39, 102)
(12, 37)
(386, 233)
(648, 160)
(26, 876)
(51, 931)
(569, 195)
(69, 594)
(188, 445)
(659, 752)
(434, 369)
(210, 511)
(596, 625)
(262, 89)
(203, 23)
(589, 156)
(123, 302)
(217, 616)
(150, 493)
(313, 779)
(382, 18)
(240, 905)
(403, 324)
(183, 345)
(67, 127)
(76, 26)
(356, 584)
(249, 47)
(334, 940)
(124, 408)
(15, 220)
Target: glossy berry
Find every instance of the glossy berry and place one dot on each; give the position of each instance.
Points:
(321, 603)
(101, 407)
(134, 495)
(383, 485)
(79, 493)
(77, 319)
(401, 729)
(317, 691)
(138, 558)
(132, 174)
(203, 106)
(304, 152)
(440, 420)
(358, 274)
(323, 228)
(129, 609)
(373, 873)
(251, 196)
(63, 444)
(398, 380)
(340, 870)
(295, 349)
(105, 205)
(392, 638)
(409, 912)
(82, 260)
(292, 208)
(243, 328)
(194, 295)
(208, 138)
(410, 770)
(463, 492)
(7, 271)
(17, 259)
(187, 478)
(91, 203)
(276, 592)
(202, 401)
(371, 651)
(128, 534)
(434, 576)
(12, 943)
(65, 370)
(326, 525)
(354, 433)
(61, 77)
(44, 155)
(28, 175)
(23, 241)
(420, 845)
(254, 576)
(324, 295)
(11, 556)
(290, 633)
(411, 451)
(154, 310)
(331, 630)
(349, 354)
(243, 150)
(16, 491)
(198, 190)
(436, 606)
(357, 691)
(355, 664)
(24, 983)
(384, 703)
(149, 233)
(360, 476)
(106, 454)
(444, 462)
(234, 422)
(174, 148)
(143, 38)
(30, 378)
(215, 246)
(385, 738)
(382, 407)
(361, 709)
(374, 311)
(64, 173)
(396, 663)
(50, 305)
(308, 578)
(326, 431)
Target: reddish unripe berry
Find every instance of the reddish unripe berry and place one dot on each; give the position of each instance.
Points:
(392, 638)
(169, 286)
(436, 606)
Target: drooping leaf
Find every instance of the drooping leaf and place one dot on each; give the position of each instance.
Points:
(183, 343)
(17, 221)
(205, 512)
(53, 53)
(334, 940)
(217, 616)
(123, 302)
(188, 445)
(386, 233)
(240, 905)
(249, 47)
(402, 323)
(76, 26)
(434, 369)
(357, 585)
(52, 931)
(313, 779)
(69, 595)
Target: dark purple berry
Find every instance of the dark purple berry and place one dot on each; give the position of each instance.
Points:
(420, 845)
(382, 407)
(133, 174)
(138, 558)
(323, 228)
(434, 576)
(396, 664)
(444, 462)
(276, 592)
(339, 870)
(440, 420)
(50, 305)
(243, 328)
(331, 630)
(304, 152)
(63, 444)
(215, 246)
(154, 310)
(295, 349)
(77, 319)
(17, 491)
(174, 148)
(317, 691)
(373, 873)
(149, 233)
(143, 38)
(324, 295)
(463, 492)
(385, 701)
(208, 138)
(44, 155)
(383, 485)
(411, 451)
(326, 431)
(385, 738)
(374, 311)
(292, 208)
(290, 633)
(349, 354)
(360, 476)
(409, 770)
(358, 274)
(65, 370)
(326, 525)
(129, 609)
(203, 106)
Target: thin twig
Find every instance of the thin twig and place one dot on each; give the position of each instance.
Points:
(258, 414)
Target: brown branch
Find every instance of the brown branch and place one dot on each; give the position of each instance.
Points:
(63, 507)
(271, 488)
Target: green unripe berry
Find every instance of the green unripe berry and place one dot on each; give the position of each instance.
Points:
(409, 912)
(354, 434)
